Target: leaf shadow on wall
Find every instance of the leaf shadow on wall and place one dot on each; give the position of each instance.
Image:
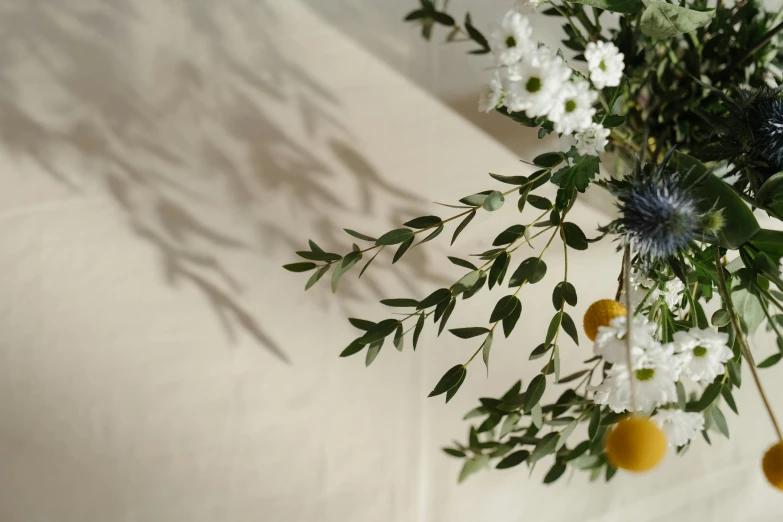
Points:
(185, 134)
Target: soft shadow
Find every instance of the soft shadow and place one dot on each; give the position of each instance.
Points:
(184, 132)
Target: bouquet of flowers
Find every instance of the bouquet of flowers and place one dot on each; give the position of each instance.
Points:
(683, 104)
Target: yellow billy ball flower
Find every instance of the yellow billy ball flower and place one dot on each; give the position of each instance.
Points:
(773, 465)
(601, 313)
(635, 444)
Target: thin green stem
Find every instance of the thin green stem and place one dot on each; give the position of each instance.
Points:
(724, 291)
(629, 322)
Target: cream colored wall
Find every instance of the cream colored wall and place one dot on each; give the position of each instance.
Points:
(159, 161)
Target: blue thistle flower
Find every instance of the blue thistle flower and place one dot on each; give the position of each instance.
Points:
(658, 215)
(765, 117)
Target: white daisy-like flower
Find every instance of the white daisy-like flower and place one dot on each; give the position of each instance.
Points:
(610, 341)
(510, 40)
(573, 110)
(702, 353)
(535, 4)
(653, 374)
(534, 83)
(680, 427)
(592, 141)
(491, 94)
(605, 62)
(641, 286)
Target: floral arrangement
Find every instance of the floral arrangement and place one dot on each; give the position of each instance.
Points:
(682, 103)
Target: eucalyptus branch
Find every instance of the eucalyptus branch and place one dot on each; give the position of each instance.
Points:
(724, 291)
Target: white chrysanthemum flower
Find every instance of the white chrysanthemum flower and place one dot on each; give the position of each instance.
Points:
(641, 286)
(610, 341)
(679, 427)
(605, 62)
(510, 39)
(654, 375)
(573, 109)
(491, 94)
(702, 353)
(592, 141)
(534, 83)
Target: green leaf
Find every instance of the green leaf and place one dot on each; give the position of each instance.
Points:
(537, 416)
(399, 340)
(504, 307)
(539, 351)
(570, 328)
(573, 376)
(423, 222)
(418, 14)
(564, 434)
(510, 321)
(470, 332)
(770, 361)
(770, 194)
(498, 269)
(485, 349)
(432, 236)
(300, 267)
(544, 447)
(476, 36)
(354, 347)
(449, 308)
(720, 318)
(316, 276)
(511, 180)
(714, 193)
(720, 421)
(361, 273)
(449, 380)
(615, 6)
(531, 270)
(372, 352)
(359, 235)
(402, 249)
(400, 303)
(508, 236)
(514, 459)
(318, 256)
(539, 202)
(770, 242)
(472, 466)
(564, 292)
(436, 297)
(613, 120)
(453, 391)
(735, 372)
(579, 176)
(709, 395)
(494, 201)
(524, 193)
(554, 325)
(344, 266)
(535, 390)
(729, 398)
(682, 399)
(478, 286)
(361, 324)
(461, 262)
(662, 20)
(379, 331)
(549, 159)
(746, 302)
(443, 18)
(477, 199)
(490, 422)
(595, 424)
(509, 424)
(417, 330)
(462, 225)
(467, 282)
(554, 473)
(574, 237)
(454, 452)
(393, 237)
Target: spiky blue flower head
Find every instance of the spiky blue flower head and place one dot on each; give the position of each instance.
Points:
(765, 118)
(658, 215)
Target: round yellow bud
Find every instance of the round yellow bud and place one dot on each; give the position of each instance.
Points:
(773, 465)
(635, 444)
(601, 313)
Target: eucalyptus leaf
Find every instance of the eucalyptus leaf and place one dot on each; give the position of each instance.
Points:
(394, 237)
(449, 380)
(467, 333)
(535, 390)
(663, 20)
(462, 225)
(423, 222)
(359, 235)
(300, 267)
(494, 201)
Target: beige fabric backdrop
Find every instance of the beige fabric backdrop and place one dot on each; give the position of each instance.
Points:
(159, 161)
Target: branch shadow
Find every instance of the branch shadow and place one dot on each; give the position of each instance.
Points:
(185, 135)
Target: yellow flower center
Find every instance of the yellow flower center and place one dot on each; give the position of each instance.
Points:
(533, 85)
(699, 351)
